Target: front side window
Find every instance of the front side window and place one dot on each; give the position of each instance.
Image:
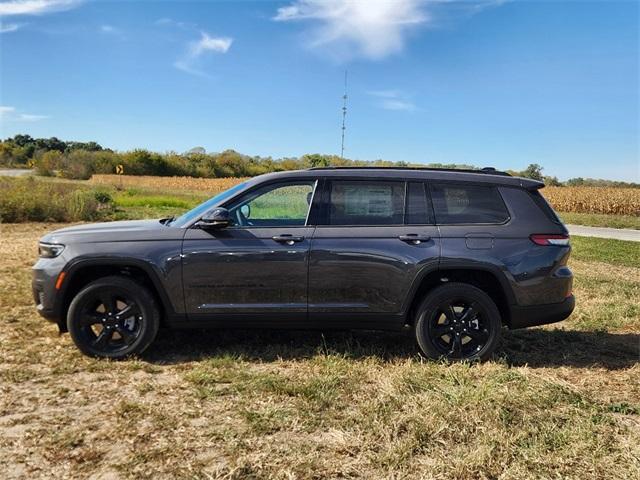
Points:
(467, 204)
(366, 203)
(277, 205)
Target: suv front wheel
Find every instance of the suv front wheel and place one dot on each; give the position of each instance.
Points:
(113, 317)
(458, 321)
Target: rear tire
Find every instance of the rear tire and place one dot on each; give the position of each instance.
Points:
(458, 322)
(113, 317)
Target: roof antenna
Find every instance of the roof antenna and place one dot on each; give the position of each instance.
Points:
(344, 114)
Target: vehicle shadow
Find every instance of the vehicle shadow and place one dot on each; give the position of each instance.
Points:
(536, 348)
(539, 348)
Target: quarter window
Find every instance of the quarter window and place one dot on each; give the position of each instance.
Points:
(467, 204)
(276, 205)
(366, 203)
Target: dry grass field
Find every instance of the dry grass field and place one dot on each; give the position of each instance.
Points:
(557, 402)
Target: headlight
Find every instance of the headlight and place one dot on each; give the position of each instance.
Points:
(49, 250)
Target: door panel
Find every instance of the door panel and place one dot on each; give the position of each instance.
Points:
(259, 266)
(244, 270)
(368, 270)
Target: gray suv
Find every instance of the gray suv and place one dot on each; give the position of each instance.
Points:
(454, 255)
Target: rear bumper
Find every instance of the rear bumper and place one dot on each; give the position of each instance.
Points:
(523, 317)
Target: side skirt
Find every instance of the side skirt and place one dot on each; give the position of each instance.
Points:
(294, 321)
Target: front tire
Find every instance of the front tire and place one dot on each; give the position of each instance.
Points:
(458, 321)
(113, 317)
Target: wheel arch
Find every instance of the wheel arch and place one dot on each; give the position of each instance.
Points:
(84, 271)
(485, 277)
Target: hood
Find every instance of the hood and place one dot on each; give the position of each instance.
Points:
(122, 231)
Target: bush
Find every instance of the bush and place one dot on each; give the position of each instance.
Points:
(48, 162)
(29, 199)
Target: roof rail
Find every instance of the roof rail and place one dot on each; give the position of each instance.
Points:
(485, 170)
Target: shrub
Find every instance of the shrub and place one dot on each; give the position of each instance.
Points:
(29, 199)
(48, 162)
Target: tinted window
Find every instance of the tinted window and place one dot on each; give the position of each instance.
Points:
(274, 205)
(203, 208)
(467, 204)
(418, 210)
(544, 206)
(366, 203)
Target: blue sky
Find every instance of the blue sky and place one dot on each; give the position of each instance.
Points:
(500, 83)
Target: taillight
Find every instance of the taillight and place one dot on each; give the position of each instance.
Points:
(549, 239)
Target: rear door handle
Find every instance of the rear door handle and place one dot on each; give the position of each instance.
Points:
(287, 238)
(414, 238)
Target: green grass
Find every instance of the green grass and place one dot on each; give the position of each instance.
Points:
(601, 220)
(614, 252)
(134, 204)
(155, 201)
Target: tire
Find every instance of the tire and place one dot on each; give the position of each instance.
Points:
(113, 317)
(470, 331)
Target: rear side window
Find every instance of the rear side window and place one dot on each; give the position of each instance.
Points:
(467, 204)
(418, 210)
(542, 203)
(366, 203)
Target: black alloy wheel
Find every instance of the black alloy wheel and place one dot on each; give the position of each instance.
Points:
(113, 317)
(458, 322)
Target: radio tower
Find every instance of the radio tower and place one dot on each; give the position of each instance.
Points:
(344, 113)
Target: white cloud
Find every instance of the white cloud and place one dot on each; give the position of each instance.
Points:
(6, 111)
(187, 67)
(170, 22)
(10, 114)
(210, 44)
(385, 93)
(26, 117)
(393, 100)
(395, 104)
(9, 27)
(373, 29)
(205, 44)
(108, 29)
(36, 7)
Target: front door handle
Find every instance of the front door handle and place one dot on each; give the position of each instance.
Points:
(414, 238)
(287, 238)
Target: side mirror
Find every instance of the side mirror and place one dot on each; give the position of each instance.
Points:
(216, 218)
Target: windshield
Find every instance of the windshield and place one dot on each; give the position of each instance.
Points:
(201, 209)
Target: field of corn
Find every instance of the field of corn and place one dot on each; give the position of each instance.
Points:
(609, 200)
(210, 185)
(598, 200)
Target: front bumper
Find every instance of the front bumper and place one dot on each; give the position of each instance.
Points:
(523, 317)
(45, 273)
(43, 305)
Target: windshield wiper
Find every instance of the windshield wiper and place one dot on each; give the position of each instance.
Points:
(167, 221)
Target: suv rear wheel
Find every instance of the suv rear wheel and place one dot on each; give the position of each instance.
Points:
(113, 317)
(458, 321)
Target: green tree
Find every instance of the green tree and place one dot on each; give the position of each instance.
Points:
(316, 160)
(533, 171)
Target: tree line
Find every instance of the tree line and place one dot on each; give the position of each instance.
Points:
(80, 160)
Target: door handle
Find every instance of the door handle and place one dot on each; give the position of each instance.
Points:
(414, 238)
(287, 238)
